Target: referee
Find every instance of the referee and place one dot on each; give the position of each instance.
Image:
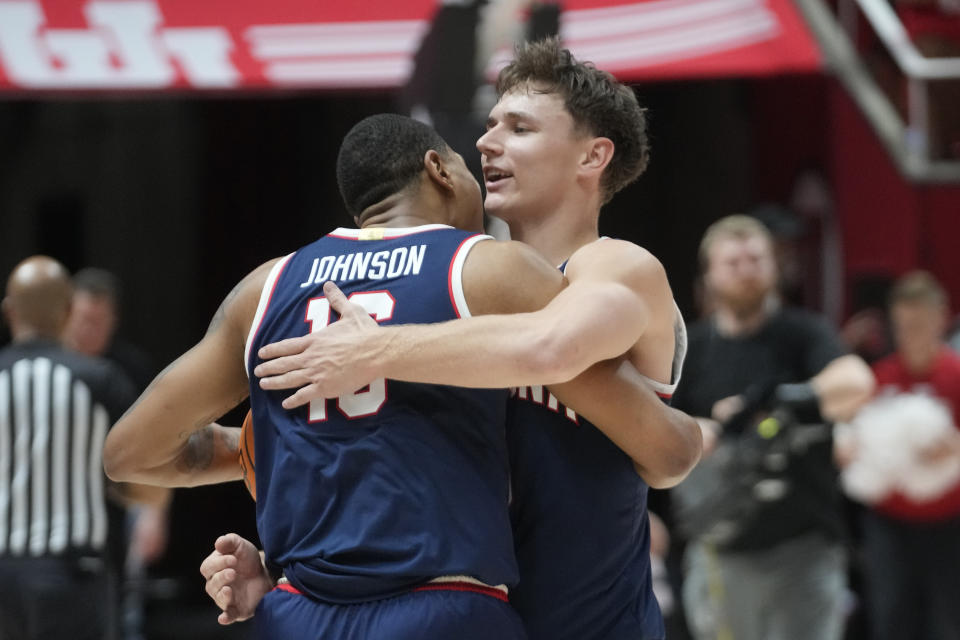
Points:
(55, 409)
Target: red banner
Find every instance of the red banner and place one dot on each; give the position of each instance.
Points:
(224, 44)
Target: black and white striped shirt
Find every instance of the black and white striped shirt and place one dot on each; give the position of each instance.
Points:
(55, 410)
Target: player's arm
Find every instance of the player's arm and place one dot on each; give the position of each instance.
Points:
(664, 443)
(563, 331)
(168, 437)
(599, 314)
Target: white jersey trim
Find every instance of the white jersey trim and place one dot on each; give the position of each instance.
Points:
(455, 279)
(384, 233)
(679, 355)
(265, 294)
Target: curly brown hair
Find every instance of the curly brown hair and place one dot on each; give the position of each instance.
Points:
(598, 103)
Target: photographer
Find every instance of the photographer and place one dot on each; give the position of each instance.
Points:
(766, 561)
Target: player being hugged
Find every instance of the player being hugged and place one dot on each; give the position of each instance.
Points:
(562, 140)
(385, 508)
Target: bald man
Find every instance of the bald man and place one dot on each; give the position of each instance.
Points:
(55, 409)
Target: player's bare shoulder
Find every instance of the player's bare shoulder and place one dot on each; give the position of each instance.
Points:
(635, 268)
(622, 261)
(508, 277)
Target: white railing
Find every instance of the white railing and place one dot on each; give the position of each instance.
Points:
(907, 141)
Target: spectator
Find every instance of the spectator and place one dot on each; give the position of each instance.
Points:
(55, 409)
(92, 330)
(94, 319)
(773, 566)
(911, 549)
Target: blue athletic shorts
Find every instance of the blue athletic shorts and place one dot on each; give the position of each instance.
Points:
(434, 613)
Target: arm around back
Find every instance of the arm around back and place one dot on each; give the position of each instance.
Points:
(541, 332)
(527, 327)
(166, 438)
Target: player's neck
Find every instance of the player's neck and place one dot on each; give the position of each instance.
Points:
(556, 237)
(397, 212)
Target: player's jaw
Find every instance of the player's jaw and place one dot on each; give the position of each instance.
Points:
(499, 183)
(525, 190)
(511, 196)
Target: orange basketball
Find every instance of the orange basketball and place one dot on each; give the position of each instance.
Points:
(247, 455)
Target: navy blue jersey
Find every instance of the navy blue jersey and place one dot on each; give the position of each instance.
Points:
(581, 528)
(367, 495)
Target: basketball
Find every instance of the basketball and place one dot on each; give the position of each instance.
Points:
(247, 465)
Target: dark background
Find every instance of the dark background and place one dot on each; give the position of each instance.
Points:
(182, 197)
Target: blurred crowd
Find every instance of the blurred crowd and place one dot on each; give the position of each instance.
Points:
(817, 511)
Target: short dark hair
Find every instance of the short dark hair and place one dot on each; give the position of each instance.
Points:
(382, 155)
(598, 103)
(97, 282)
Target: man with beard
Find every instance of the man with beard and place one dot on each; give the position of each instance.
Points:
(750, 361)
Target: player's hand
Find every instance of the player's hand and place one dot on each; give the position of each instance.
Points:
(324, 364)
(236, 578)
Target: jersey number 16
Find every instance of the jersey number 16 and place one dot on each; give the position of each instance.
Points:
(367, 401)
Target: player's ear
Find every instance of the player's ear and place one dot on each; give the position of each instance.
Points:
(597, 154)
(437, 170)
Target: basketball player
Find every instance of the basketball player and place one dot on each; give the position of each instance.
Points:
(387, 507)
(562, 140)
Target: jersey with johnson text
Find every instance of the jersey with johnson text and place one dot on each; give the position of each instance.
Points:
(581, 528)
(375, 492)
